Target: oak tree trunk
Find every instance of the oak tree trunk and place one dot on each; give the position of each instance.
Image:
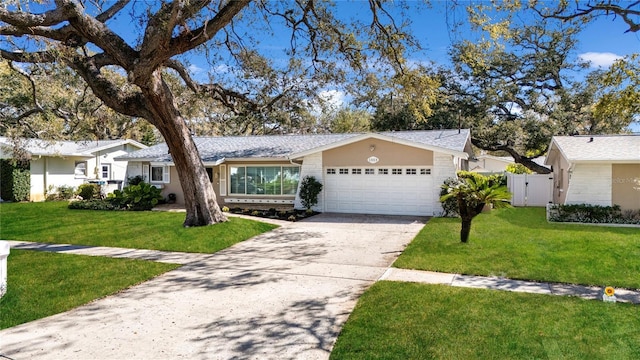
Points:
(199, 197)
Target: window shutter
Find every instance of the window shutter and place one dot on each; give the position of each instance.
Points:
(223, 180)
(145, 173)
(165, 174)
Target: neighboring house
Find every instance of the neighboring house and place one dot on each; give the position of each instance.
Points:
(600, 170)
(71, 163)
(485, 163)
(377, 173)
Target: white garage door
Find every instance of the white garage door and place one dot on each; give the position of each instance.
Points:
(379, 190)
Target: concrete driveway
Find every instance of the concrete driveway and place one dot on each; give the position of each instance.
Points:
(281, 295)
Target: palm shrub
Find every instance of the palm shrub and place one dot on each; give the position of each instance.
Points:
(309, 190)
(142, 196)
(472, 194)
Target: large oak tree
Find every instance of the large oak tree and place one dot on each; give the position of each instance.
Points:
(161, 36)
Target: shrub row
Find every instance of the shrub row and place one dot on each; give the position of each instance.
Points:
(595, 214)
(139, 197)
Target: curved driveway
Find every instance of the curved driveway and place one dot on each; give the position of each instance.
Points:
(281, 295)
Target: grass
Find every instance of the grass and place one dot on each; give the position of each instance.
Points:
(416, 321)
(53, 222)
(518, 243)
(41, 284)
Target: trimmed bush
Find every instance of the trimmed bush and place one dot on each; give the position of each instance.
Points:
(135, 180)
(93, 204)
(136, 197)
(595, 214)
(66, 191)
(62, 192)
(15, 180)
(89, 191)
(309, 191)
(450, 205)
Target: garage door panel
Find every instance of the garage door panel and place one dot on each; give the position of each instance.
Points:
(394, 194)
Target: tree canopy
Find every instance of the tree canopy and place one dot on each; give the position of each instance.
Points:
(126, 70)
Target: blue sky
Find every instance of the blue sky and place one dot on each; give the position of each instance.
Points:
(601, 42)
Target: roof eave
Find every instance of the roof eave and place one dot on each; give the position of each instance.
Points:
(378, 136)
(119, 143)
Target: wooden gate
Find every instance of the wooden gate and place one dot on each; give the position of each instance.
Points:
(530, 189)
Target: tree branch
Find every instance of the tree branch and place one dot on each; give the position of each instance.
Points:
(194, 38)
(99, 34)
(600, 9)
(25, 20)
(108, 92)
(526, 161)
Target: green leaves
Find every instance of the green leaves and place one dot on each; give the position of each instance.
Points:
(142, 196)
(309, 190)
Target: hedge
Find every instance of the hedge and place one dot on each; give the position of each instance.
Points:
(15, 180)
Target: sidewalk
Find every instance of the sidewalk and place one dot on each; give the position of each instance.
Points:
(495, 283)
(391, 274)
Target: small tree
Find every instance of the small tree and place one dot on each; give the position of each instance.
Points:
(472, 194)
(309, 191)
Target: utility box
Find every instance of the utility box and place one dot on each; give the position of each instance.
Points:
(4, 253)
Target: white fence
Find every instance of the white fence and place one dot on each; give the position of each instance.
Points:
(530, 189)
(4, 252)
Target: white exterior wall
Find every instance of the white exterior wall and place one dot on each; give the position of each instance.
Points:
(590, 184)
(118, 168)
(444, 167)
(52, 172)
(311, 166)
(36, 167)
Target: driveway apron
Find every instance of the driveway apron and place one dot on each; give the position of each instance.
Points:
(281, 295)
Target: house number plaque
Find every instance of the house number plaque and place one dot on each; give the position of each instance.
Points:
(373, 160)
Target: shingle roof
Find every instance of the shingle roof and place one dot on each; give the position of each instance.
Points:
(599, 147)
(213, 149)
(63, 148)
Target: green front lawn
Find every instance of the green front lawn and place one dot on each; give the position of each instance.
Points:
(41, 284)
(518, 243)
(53, 222)
(415, 321)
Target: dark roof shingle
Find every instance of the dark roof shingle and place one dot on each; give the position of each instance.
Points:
(214, 149)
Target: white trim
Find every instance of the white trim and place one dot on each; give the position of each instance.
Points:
(166, 174)
(258, 201)
(108, 166)
(222, 178)
(119, 143)
(86, 169)
(146, 175)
